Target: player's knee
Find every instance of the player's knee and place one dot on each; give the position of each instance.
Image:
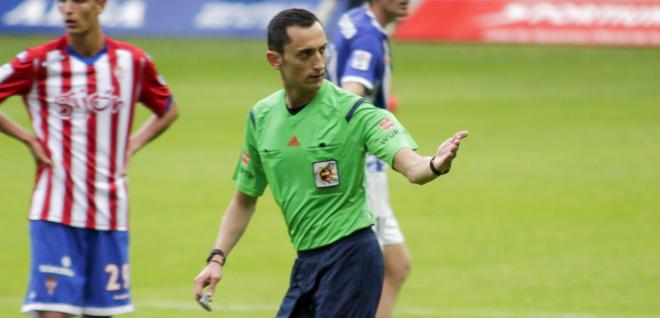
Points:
(399, 272)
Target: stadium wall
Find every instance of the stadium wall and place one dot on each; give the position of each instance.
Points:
(184, 18)
(590, 22)
(595, 22)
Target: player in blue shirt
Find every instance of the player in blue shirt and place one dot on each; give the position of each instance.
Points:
(360, 63)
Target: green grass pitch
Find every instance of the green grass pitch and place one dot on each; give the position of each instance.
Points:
(551, 211)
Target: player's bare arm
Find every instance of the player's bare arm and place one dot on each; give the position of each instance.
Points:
(234, 222)
(355, 88)
(10, 128)
(152, 128)
(418, 169)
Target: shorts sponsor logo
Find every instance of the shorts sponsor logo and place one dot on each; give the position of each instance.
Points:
(66, 261)
(360, 60)
(326, 174)
(63, 270)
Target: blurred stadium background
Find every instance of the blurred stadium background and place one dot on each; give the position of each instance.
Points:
(553, 210)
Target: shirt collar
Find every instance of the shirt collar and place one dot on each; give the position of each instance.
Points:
(374, 22)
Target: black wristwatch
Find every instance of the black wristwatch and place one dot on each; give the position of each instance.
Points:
(215, 252)
(436, 171)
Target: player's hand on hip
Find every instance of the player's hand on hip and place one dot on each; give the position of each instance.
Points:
(448, 150)
(127, 158)
(39, 152)
(208, 278)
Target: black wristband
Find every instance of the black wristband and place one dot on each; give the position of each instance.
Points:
(434, 170)
(215, 252)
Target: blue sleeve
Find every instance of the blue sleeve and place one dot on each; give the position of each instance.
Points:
(364, 61)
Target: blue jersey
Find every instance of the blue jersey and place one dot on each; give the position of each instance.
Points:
(360, 54)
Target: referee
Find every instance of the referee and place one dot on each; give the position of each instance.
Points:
(308, 141)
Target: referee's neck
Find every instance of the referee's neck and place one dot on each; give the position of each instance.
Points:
(295, 98)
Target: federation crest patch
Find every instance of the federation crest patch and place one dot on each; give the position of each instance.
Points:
(360, 60)
(51, 284)
(326, 174)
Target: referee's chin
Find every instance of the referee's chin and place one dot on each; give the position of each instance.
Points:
(315, 83)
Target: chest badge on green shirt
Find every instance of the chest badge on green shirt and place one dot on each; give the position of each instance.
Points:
(326, 174)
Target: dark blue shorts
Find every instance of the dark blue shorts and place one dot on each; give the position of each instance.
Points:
(343, 279)
(78, 271)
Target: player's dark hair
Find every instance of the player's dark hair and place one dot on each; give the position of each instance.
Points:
(277, 36)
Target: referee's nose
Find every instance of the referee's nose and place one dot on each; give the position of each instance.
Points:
(319, 61)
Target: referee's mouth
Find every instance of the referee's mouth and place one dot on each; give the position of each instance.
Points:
(318, 77)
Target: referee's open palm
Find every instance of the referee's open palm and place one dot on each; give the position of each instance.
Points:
(448, 150)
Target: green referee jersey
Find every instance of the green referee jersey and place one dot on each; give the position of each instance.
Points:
(314, 161)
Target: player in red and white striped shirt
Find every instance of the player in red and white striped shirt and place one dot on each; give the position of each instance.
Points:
(80, 91)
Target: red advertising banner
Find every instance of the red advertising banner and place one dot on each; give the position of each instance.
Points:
(596, 22)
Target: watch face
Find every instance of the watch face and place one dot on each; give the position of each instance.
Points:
(214, 253)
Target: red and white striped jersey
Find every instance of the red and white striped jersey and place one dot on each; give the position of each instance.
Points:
(81, 110)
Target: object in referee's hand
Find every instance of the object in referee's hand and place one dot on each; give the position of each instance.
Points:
(205, 302)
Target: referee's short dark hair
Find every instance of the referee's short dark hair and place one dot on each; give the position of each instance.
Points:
(277, 36)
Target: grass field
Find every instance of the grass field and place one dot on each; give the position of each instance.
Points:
(552, 211)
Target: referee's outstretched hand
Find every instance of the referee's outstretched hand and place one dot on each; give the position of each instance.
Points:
(448, 150)
(208, 278)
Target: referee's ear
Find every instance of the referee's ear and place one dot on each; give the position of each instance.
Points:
(274, 59)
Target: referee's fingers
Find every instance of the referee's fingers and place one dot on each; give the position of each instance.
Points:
(200, 283)
(212, 284)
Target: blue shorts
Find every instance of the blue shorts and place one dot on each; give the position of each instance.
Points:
(78, 271)
(343, 279)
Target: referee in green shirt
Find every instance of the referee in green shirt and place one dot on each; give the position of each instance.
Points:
(308, 141)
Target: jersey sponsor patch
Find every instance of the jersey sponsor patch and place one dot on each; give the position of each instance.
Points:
(360, 60)
(386, 124)
(245, 157)
(326, 174)
(5, 71)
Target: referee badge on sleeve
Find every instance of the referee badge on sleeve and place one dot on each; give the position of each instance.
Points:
(326, 174)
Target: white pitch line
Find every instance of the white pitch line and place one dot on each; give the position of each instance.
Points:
(411, 311)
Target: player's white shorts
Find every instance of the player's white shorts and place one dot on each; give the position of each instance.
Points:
(387, 228)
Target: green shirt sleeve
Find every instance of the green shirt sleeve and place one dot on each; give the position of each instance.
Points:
(249, 175)
(382, 133)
